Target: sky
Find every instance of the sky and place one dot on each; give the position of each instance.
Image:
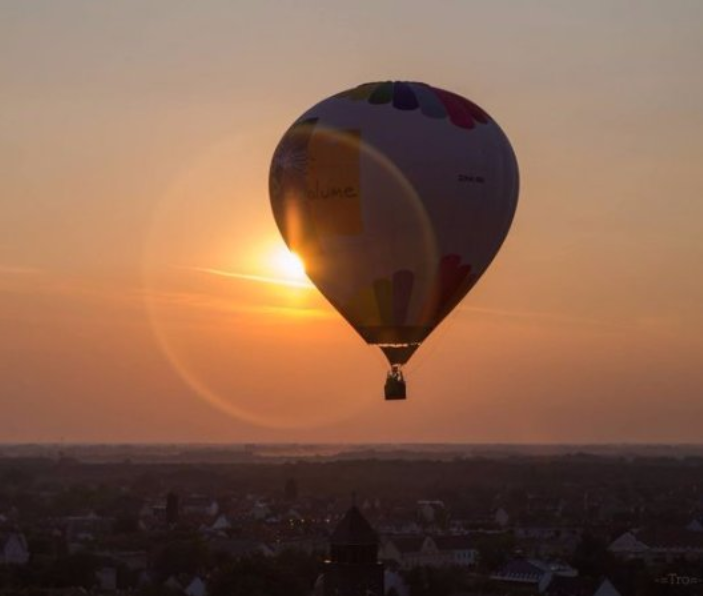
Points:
(138, 249)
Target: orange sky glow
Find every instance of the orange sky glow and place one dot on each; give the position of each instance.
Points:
(146, 295)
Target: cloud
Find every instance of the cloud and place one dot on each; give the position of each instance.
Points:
(293, 283)
(550, 317)
(15, 270)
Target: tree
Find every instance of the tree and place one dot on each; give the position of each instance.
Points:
(591, 557)
(291, 490)
(72, 571)
(187, 555)
(288, 575)
(432, 581)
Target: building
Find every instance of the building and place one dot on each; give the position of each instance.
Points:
(198, 505)
(577, 586)
(547, 542)
(532, 571)
(353, 568)
(13, 549)
(501, 518)
(659, 545)
(419, 550)
(411, 551)
(432, 512)
(695, 525)
(457, 550)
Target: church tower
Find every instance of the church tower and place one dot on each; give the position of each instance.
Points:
(353, 568)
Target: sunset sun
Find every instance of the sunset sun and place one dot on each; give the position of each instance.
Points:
(287, 264)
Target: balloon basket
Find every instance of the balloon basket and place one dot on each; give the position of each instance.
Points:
(395, 384)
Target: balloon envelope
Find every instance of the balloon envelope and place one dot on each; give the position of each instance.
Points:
(397, 196)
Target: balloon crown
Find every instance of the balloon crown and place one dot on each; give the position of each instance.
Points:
(431, 101)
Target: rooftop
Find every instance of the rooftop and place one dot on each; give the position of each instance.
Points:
(354, 529)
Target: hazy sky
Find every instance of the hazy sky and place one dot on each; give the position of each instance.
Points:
(135, 140)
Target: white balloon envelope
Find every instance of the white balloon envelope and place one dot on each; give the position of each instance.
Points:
(397, 196)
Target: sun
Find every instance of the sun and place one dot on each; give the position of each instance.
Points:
(287, 264)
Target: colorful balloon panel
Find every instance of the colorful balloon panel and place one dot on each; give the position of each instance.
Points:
(397, 196)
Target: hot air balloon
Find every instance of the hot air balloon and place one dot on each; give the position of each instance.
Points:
(397, 196)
